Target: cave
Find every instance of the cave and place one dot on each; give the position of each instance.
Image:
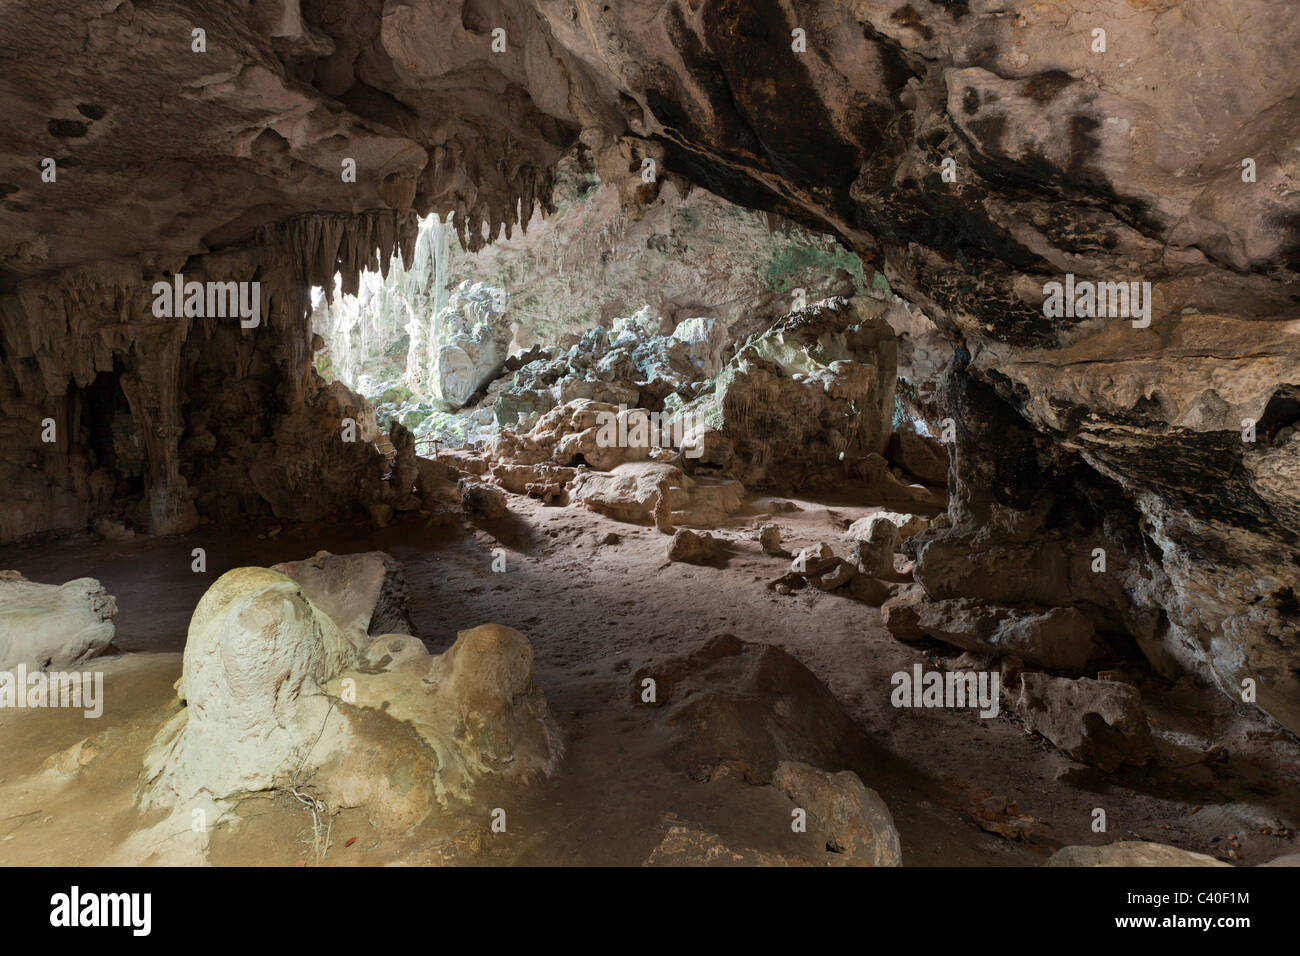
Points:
(683, 433)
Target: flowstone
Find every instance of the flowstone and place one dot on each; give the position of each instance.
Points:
(278, 698)
(52, 626)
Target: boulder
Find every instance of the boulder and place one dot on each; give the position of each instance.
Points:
(633, 491)
(1130, 853)
(875, 555)
(814, 561)
(868, 590)
(1095, 722)
(483, 499)
(53, 626)
(836, 576)
(1059, 638)
(769, 539)
(901, 614)
(694, 548)
(544, 481)
(743, 708)
(906, 525)
(851, 820)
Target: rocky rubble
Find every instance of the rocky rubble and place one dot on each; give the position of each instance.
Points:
(695, 548)
(629, 364)
(802, 404)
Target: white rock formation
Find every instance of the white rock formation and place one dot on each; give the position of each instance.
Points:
(257, 656)
(278, 698)
(474, 340)
(52, 626)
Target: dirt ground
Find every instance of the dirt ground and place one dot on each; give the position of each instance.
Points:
(596, 613)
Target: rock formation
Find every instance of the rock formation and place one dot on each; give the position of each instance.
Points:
(804, 402)
(474, 337)
(1077, 240)
(277, 697)
(52, 627)
(364, 594)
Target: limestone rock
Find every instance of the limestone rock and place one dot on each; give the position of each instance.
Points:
(1130, 853)
(486, 702)
(1059, 638)
(483, 499)
(544, 481)
(704, 338)
(257, 657)
(815, 560)
(476, 340)
(851, 819)
(364, 594)
(836, 576)
(694, 548)
(1095, 722)
(277, 698)
(633, 491)
(906, 525)
(875, 554)
(769, 539)
(53, 627)
(869, 590)
(804, 402)
(744, 708)
(923, 457)
(901, 614)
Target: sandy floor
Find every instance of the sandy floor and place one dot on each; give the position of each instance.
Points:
(595, 614)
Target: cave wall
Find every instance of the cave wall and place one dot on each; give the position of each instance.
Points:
(1115, 165)
(232, 420)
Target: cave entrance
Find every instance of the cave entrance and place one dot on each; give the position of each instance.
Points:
(463, 343)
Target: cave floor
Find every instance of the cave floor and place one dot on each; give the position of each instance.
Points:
(595, 613)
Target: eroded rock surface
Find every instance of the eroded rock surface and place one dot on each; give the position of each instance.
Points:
(47, 626)
(747, 707)
(1130, 853)
(278, 698)
(1095, 721)
(974, 153)
(364, 594)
